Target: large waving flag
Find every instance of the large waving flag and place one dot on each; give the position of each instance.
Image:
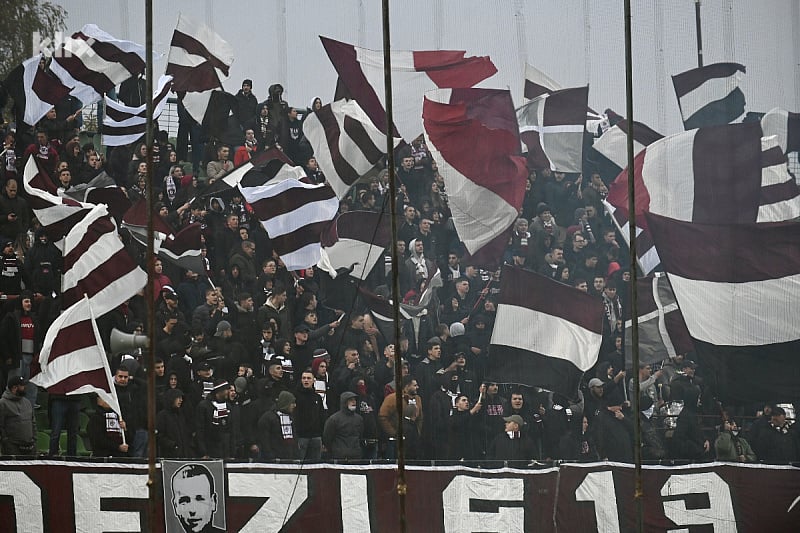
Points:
(358, 237)
(102, 189)
(293, 212)
(710, 95)
(72, 358)
(34, 90)
(57, 214)
(415, 72)
(552, 127)
(610, 151)
(92, 62)
(485, 180)
(721, 174)
(662, 330)
(537, 83)
(96, 264)
(546, 334)
(199, 61)
(346, 143)
(124, 125)
(738, 287)
(785, 125)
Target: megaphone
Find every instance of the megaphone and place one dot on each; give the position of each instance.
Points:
(126, 342)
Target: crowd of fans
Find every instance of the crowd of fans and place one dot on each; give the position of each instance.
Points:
(257, 362)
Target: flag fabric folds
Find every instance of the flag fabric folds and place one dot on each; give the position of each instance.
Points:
(92, 62)
(346, 144)
(355, 237)
(199, 59)
(612, 146)
(57, 214)
(662, 331)
(546, 334)
(34, 91)
(72, 357)
(415, 72)
(537, 83)
(719, 174)
(124, 125)
(552, 127)
(710, 95)
(785, 125)
(183, 248)
(646, 253)
(738, 287)
(96, 264)
(293, 212)
(473, 136)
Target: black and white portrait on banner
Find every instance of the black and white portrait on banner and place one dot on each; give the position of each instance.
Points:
(194, 496)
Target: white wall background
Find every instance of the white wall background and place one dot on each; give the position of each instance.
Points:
(574, 41)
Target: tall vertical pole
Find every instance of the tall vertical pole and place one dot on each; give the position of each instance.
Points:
(398, 375)
(152, 481)
(699, 29)
(638, 494)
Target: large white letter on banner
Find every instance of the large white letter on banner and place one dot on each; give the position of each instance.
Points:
(27, 501)
(90, 489)
(598, 487)
(355, 503)
(720, 511)
(462, 489)
(284, 494)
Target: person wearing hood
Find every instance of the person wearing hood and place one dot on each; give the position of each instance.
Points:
(17, 423)
(174, 431)
(277, 434)
(345, 429)
(368, 410)
(417, 268)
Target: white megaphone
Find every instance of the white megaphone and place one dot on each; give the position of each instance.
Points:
(126, 342)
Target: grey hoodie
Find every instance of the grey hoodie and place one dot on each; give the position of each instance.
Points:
(344, 431)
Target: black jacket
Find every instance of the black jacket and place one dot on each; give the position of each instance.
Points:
(308, 414)
(174, 428)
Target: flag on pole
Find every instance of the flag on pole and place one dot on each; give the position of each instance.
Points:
(92, 62)
(738, 287)
(34, 91)
(546, 334)
(485, 180)
(710, 95)
(72, 358)
(124, 125)
(552, 127)
(358, 237)
(293, 212)
(785, 125)
(96, 264)
(415, 72)
(662, 331)
(346, 144)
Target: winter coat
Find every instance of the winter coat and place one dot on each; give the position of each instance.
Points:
(17, 423)
(174, 428)
(308, 413)
(273, 443)
(344, 430)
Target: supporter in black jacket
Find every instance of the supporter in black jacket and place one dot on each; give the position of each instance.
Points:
(276, 430)
(308, 419)
(512, 444)
(174, 432)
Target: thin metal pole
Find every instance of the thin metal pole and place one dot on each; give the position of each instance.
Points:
(699, 28)
(152, 480)
(638, 494)
(398, 374)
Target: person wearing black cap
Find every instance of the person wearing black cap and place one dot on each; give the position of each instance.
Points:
(246, 105)
(17, 423)
(218, 431)
(302, 352)
(12, 273)
(777, 443)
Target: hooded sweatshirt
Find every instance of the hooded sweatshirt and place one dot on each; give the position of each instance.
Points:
(16, 419)
(344, 431)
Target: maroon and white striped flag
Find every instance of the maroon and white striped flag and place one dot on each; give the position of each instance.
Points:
(646, 254)
(738, 286)
(784, 124)
(199, 59)
(612, 146)
(96, 264)
(552, 127)
(415, 72)
(72, 358)
(546, 334)
(124, 125)
(183, 248)
(537, 83)
(721, 174)
(102, 189)
(355, 237)
(710, 95)
(92, 62)
(346, 143)
(662, 330)
(34, 90)
(485, 180)
(57, 214)
(293, 212)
